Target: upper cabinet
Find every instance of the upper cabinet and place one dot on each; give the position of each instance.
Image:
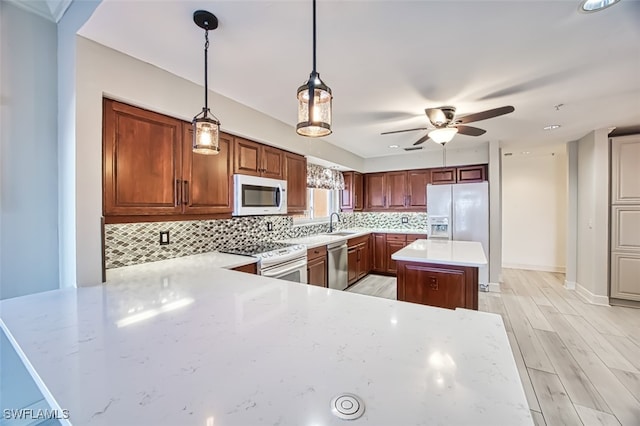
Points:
(352, 197)
(207, 180)
(403, 190)
(417, 181)
(296, 176)
(396, 190)
(376, 191)
(252, 158)
(142, 161)
(463, 174)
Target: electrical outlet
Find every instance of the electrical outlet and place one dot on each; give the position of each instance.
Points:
(164, 238)
(405, 219)
(269, 226)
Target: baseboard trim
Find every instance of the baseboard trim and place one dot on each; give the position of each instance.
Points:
(494, 287)
(559, 269)
(589, 297)
(569, 285)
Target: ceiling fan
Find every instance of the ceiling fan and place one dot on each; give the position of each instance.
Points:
(446, 124)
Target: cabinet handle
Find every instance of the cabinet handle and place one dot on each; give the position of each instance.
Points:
(433, 283)
(409, 200)
(185, 185)
(177, 192)
(384, 201)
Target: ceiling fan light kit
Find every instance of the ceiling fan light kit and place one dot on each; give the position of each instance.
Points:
(443, 135)
(206, 127)
(314, 100)
(589, 6)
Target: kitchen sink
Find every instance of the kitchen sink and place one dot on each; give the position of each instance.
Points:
(339, 234)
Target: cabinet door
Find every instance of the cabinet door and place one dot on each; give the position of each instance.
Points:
(352, 268)
(392, 247)
(417, 181)
(469, 174)
(246, 157)
(346, 195)
(362, 259)
(272, 160)
(379, 252)
(296, 173)
(376, 191)
(396, 190)
(443, 175)
(207, 180)
(424, 285)
(249, 269)
(141, 161)
(317, 272)
(358, 195)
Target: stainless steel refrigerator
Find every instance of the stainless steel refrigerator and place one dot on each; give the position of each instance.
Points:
(460, 213)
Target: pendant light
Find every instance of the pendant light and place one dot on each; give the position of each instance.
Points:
(206, 127)
(314, 100)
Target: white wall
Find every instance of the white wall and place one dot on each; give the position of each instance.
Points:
(592, 217)
(428, 159)
(103, 71)
(571, 271)
(28, 154)
(534, 200)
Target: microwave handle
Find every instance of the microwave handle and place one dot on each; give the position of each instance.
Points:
(281, 196)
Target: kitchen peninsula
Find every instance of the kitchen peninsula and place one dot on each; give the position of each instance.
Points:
(441, 273)
(190, 343)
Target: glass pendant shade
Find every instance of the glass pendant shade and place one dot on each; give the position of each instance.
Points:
(443, 135)
(205, 136)
(314, 117)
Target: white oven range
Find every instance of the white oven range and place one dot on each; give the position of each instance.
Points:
(277, 260)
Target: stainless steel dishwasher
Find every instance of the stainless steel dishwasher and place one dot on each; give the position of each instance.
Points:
(337, 274)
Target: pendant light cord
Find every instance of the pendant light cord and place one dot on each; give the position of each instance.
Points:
(206, 73)
(314, 36)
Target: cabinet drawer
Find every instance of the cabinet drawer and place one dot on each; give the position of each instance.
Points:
(251, 268)
(412, 237)
(397, 237)
(358, 240)
(316, 252)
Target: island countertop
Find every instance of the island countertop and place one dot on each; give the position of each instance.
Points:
(214, 346)
(443, 252)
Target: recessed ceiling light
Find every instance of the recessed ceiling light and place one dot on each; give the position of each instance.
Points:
(526, 152)
(552, 127)
(595, 5)
(393, 146)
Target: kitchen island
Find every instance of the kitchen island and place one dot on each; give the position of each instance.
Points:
(441, 273)
(200, 345)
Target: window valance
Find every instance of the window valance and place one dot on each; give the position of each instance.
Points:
(324, 178)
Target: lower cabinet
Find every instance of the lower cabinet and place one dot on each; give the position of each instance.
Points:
(317, 266)
(357, 258)
(444, 286)
(379, 244)
(252, 268)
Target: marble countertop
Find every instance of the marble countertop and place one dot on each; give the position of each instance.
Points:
(324, 239)
(213, 346)
(444, 252)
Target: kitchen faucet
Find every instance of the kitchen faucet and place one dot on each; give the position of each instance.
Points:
(331, 221)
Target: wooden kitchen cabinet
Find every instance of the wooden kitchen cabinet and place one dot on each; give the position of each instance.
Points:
(296, 177)
(317, 266)
(468, 174)
(417, 181)
(255, 159)
(379, 244)
(445, 286)
(444, 175)
(357, 258)
(252, 268)
(376, 191)
(352, 265)
(412, 237)
(207, 180)
(396, 190)
(395, 242)
(351, 197)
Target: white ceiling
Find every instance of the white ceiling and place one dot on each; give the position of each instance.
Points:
(386, 61)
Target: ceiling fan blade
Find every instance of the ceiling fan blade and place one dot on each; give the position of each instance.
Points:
(436, 116)
(484, 115)
(406, 130)
(470, 130)
(422, 140)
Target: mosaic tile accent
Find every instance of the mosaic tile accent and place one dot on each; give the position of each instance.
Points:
(134, 243)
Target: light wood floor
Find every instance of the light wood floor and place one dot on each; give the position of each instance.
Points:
(579, 363)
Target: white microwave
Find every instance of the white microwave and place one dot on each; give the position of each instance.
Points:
(255, 195)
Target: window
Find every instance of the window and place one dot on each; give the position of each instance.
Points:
(320, 203)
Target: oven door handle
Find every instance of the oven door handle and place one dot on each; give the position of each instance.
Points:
(284, 270)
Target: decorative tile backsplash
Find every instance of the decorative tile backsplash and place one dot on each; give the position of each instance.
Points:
(134, 243)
